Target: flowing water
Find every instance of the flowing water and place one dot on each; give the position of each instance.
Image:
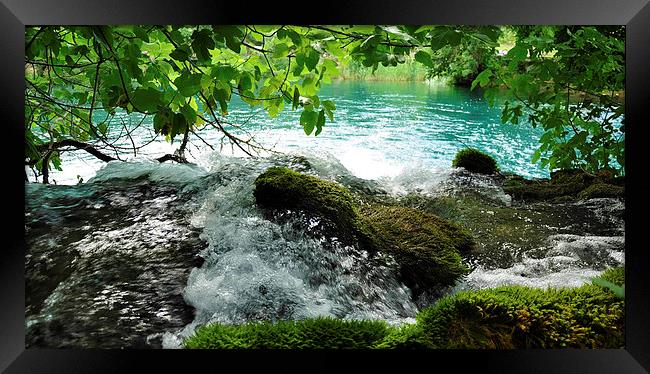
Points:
(142, 253)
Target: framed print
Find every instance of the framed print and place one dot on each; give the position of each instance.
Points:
(377, 182)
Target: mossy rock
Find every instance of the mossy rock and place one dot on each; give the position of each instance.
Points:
(475, 161)
(283, 188)
(590, 316)
(426, 248)
(597, 190)
(565, 186)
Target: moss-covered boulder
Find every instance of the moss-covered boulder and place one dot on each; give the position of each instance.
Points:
(426, 248)
(590, 316)
(475, 161)
(282, 188)
(597, 190)
(564, 186)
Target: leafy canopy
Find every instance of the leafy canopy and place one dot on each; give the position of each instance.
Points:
(568, 81)
(80, 79)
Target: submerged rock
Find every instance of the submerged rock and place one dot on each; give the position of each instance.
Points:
(426, 248)
(565, 185)
(106, 263)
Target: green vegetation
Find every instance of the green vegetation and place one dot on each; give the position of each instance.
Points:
(566, 80)
(409, 71)
(566, 185)
(614, 280)
(601, 190)
(318, 333)
(475, 161)
(506, 317)
(520, 317)
(461, 63)
(426, 248)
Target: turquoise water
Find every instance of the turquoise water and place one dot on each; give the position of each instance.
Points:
(380, 129)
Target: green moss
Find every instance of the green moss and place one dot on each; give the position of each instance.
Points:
(283, 188)
(425, 247)
(601, 190)
(543, 189)
(615, 275)
(520, 317)
(317, 333)
(475, 161)
(565, 186)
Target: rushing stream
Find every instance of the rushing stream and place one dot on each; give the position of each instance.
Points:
(142, 253)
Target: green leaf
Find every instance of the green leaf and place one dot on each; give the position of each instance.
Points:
(483, 78)
(182, 53)
(619, 291)
(329, 104)
(518, 53)
(308, 119)
(188, 84)
(146, 99)
(202, 42)
(311, 59)
(224, 73)
(160, 121)
(141, 33)
(320, 122)
(424, 58)
(189, 113)
(179, 125)
(280, 50)
(296, 98)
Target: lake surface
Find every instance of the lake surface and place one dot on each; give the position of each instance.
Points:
(380, 129)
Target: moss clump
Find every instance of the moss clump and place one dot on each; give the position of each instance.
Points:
(317, 333)
(283, 188)
(427, 248)
(615, 275)
(601, 190)
(520, 317)
(475, 161)
(408, 336)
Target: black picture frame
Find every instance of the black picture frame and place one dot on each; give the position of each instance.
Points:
(16, 14)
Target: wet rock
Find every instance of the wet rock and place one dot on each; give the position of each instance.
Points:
(110, 270)
(425, 247)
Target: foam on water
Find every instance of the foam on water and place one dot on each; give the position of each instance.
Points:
(153, 170)
(567, 261)
(256, 269)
